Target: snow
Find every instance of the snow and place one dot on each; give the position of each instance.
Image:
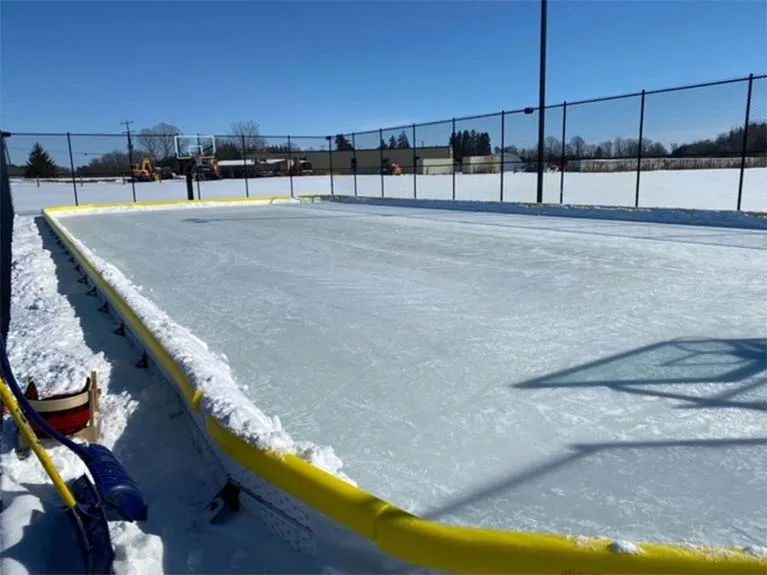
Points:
(58, 336)
(700, 189)
(541, 374)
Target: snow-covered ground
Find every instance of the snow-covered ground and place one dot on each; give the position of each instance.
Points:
(541, 374)
(700, 189)
(58, 336)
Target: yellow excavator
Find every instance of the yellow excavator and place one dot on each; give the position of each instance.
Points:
(146, 172)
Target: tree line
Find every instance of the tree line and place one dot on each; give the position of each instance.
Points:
(158, 145)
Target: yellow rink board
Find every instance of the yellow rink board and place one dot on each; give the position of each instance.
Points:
(396, 532)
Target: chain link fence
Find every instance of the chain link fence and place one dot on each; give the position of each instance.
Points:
(702, 146)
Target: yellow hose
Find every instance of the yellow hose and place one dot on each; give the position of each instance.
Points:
(10, 402)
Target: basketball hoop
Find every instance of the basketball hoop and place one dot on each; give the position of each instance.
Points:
(197, 159)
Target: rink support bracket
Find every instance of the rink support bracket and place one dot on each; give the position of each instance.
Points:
(143, 362)
(225, 502)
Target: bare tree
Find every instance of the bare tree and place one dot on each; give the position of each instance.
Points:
(159, 141)
(251, 132)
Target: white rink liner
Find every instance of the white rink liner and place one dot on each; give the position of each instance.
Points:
(428, 349)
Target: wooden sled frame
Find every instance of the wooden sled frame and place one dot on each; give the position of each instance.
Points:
(88, 397)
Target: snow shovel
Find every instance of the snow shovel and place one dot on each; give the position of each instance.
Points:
(82, 501)
(115, 488)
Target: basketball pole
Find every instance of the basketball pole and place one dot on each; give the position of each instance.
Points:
(542, 102)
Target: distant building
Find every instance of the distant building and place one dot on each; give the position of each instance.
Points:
(368, 161)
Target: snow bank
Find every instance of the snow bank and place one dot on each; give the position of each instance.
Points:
(224, 398)
(692, 217)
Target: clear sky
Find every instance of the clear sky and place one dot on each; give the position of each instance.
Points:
(318, 68)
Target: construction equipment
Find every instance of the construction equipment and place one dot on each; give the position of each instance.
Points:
(148, 172)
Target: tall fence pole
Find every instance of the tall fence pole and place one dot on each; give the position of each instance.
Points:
(542, 102)
(330, 163)
(354, 163)
(563, 163)
(503, 149)
(245, 166)
(415, 165)
(380, 147)
(72, 167)
(744, 150)
(290, 166)
(639, 149)
(130, 159)
(455, 141)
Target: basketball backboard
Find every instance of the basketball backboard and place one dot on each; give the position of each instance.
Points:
(197, 145)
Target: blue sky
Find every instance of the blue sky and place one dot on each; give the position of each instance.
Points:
(325, 67)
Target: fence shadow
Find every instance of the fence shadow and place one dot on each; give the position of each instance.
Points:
(669, 370)
(663, 369)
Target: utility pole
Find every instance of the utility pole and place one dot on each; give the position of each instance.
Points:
(127, 124)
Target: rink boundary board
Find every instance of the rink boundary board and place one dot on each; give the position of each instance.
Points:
(394, 531)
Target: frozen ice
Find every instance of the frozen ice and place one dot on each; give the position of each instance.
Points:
(515, 372)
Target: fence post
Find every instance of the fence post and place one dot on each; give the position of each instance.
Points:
(245, 166)
(72, 167)
(354, 162)
(453, 155)
(503, 149)
(290, 166)
(415, 165)
(330, 160)
(381, 169)
(639, 149)
(744, 151)
(563, 163)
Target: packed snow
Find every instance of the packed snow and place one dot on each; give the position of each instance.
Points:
(540, 374)
(58, 336)
(698, 189)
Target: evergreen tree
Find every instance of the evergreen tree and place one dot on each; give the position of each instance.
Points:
(392, 142)
(342, 143)
(40, 164)
(402, 141)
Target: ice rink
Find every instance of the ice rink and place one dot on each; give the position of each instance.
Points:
(515, 372)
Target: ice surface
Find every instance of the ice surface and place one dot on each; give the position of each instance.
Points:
(544, 374)
(700, 189)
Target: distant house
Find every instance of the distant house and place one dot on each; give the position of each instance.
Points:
(235, 168)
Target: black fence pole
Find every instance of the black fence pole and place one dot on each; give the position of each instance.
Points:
(330, 163)
(290, 166)
(503, 149)
(245, 166)
(542, 102)
(639, 149)
(744, 150)
(415, 165)
(454, 159)
(563, 162)
(380, 146)
(130, 159)
(354, 163)
(72, 167)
